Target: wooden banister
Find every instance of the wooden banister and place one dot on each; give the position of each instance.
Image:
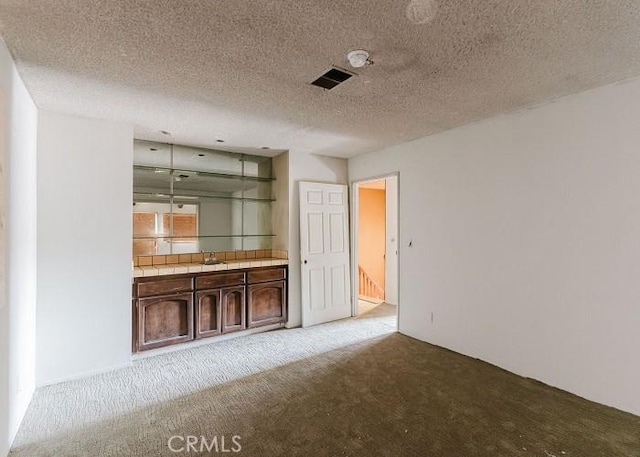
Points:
(367, 286)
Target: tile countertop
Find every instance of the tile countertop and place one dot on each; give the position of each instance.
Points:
(179, 268)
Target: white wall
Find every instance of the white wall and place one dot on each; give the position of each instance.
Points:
(526, 241)
(18, 129)
(305, 167)
(84, 246)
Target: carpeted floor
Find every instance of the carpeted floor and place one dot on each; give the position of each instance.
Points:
(349, 388)
(364, 306)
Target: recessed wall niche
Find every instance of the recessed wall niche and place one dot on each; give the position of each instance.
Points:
(188, 200)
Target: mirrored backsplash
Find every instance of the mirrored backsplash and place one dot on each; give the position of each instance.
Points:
(191, 200)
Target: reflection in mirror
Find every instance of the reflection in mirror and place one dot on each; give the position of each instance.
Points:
(207, 160)
(153, 226)
(200, 184)
(151, 154)
(189, 200)
(257, 221)
(216, 219)
(257, 166)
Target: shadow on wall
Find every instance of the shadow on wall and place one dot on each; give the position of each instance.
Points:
(333, 164)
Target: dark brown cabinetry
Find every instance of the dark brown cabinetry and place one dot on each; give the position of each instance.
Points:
(174, 309)
(165, 320)
(220, 307)
(163, 312)
(233, 309)
(208, 313)
(266, 297)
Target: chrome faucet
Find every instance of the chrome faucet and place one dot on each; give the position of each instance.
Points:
(210, 260)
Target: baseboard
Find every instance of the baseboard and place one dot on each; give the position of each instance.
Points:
(205, 341)
(82, 375)
(516, 372)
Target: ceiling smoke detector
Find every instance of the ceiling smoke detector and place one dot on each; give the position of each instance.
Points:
(359, 58)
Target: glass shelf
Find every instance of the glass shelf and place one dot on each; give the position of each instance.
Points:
(162, 237)
(157, 197)
(190, 245)
(176, 171)
(188, 199)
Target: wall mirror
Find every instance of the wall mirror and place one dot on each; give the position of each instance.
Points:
(188, 200)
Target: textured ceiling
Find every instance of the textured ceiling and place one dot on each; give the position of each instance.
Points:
(240, 70)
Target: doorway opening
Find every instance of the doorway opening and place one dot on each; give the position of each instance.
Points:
(375, 235)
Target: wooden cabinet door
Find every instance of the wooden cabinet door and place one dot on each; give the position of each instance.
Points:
(165, 320)
(267, 303)
(208, 313)
(233, 309)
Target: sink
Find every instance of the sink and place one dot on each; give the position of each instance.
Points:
(212, 261)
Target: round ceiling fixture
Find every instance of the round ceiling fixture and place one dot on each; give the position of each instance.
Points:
(421, 11)
(359, 58)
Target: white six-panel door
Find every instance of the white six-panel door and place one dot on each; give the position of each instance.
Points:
(324, 252)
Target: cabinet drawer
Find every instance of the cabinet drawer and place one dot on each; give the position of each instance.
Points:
(219, 280)
(271, 274)
(164, 287)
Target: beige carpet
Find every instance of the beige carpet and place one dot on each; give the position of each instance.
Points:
(365, 306)
(349, 388)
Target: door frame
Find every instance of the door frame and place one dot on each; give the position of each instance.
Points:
(355, 197)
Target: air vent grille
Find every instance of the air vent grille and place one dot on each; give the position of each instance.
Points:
(331, 78)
